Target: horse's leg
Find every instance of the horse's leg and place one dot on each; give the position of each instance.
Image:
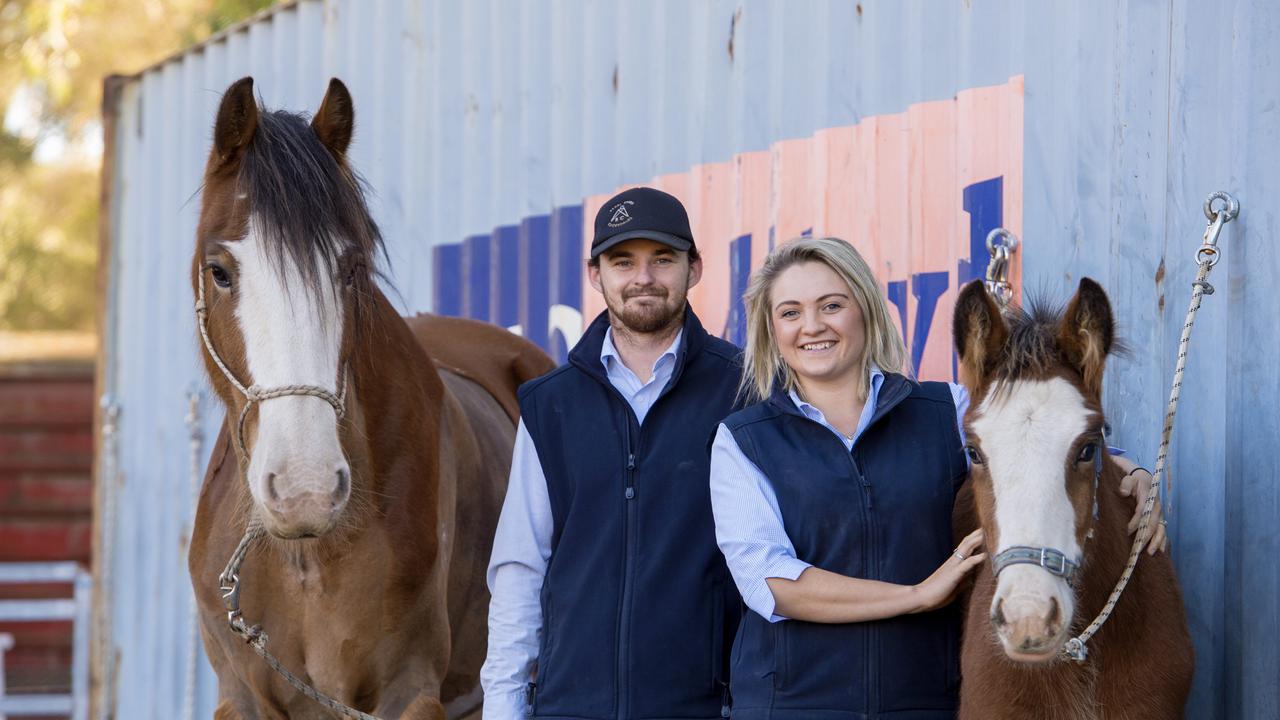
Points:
(424, 707)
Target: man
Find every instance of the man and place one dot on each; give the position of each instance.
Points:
(610, 597)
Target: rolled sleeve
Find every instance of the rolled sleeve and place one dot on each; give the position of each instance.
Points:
(517, 568)
(749, 527)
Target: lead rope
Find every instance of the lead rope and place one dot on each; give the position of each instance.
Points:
(1206, 257)
(229, 580)
(229, 584)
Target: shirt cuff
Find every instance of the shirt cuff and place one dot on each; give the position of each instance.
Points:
(761, 600)
(505, 706)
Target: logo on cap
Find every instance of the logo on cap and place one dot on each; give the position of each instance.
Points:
(620, 215)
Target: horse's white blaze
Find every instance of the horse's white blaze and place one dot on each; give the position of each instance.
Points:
(292, 336)
(1026, 434)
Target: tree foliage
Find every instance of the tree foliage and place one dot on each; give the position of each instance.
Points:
(53, 57)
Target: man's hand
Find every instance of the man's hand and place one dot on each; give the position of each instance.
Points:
(1137, 482)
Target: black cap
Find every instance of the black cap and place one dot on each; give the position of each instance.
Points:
(642, 212)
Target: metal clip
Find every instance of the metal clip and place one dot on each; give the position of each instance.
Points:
(1075, 649)
(1208, 252)
(230, 588)
(1000, 244)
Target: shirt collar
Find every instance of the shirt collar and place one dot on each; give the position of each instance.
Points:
(609, 351)
(874, 381)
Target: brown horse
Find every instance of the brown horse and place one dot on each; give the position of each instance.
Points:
(372, 451)
(1047, 496)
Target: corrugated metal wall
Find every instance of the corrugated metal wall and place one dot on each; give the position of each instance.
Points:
(491, 131)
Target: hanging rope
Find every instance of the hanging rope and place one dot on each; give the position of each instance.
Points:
(1206, 257)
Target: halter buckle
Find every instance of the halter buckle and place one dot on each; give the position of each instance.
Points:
(1045, 556)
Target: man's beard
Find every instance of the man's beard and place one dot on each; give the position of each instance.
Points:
(649, 318)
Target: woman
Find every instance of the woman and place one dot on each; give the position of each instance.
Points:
(833, 496)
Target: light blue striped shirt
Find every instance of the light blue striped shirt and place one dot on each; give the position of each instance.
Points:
(749, 528)
(522, 546)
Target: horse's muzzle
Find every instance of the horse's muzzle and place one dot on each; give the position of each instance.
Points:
(307, 513)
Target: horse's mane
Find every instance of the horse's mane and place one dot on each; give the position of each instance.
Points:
(309, 208)
(1032, 349)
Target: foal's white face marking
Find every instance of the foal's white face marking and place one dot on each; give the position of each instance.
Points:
(1026, 434)
(292, 336)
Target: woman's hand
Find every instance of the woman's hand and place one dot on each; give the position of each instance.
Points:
(1138, 482)
(939, 589)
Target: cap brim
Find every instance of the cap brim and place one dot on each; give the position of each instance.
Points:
(674, 242)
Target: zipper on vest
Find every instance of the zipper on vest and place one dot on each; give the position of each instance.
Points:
(870, 673)
(623, 699)
(631, 475)
(866, 484)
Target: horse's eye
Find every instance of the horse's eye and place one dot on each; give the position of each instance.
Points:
(975, 456)
(1086, 453)
(221, 277)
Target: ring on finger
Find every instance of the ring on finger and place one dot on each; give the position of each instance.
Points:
(958, 555)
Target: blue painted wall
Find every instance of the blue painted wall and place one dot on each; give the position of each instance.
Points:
(483, 126)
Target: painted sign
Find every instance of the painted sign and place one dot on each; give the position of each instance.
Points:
(916, 192)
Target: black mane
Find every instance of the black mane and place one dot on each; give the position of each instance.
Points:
(304, 201)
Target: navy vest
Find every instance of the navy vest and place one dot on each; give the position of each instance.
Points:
(880, 512)
(638, 607)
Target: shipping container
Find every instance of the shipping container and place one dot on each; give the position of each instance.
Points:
(491, 132)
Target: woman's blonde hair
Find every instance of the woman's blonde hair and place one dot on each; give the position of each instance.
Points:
(762, 362)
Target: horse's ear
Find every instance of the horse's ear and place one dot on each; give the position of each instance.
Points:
(980, 334)
(1087, 332)
(335, 120)
(236, 123)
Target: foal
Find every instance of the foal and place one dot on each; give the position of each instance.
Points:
(376, 475)
(1046, 494)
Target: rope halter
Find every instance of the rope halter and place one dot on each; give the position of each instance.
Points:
(255, 393)
(229, 579)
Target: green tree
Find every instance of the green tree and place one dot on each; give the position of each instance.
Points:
(53, 57)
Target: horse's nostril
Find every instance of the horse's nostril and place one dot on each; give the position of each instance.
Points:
(997, 616)
(271, 486)
(1055, 612)
(344, 484)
